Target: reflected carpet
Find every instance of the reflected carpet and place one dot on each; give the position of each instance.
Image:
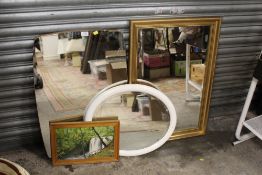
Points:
(66, 87)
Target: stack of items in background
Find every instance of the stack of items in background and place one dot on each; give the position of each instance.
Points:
(164, 51)
(154, 53)
(156, 64)
(105, 57)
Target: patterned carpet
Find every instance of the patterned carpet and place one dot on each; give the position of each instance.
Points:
(66, 87)
(170, 84)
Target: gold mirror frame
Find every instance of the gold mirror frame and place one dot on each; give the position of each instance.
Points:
(214, 24)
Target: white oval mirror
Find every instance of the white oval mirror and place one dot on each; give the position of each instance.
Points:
(147, 117)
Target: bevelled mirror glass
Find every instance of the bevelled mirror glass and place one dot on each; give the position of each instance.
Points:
(178, 56)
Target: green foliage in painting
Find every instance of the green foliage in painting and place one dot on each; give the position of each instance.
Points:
(70, 140)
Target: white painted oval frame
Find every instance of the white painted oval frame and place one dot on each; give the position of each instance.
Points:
(136, 88)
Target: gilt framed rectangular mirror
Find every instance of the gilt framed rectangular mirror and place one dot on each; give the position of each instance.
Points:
(178, 56)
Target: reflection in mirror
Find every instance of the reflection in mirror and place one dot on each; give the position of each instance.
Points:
(62, 58)
(71, 67)
(178, 56)
(163, 60)
(144, 119)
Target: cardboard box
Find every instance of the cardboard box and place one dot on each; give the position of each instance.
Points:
(158, 110)
(76, 60)
(154, 73)
(180, 67)
(116, 72)
(197, 72)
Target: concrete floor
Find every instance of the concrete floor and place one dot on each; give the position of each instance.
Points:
(212, 154)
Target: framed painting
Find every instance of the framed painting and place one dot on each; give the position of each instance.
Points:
(84, 142)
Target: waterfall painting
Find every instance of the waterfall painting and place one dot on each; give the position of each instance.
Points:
(84, 142)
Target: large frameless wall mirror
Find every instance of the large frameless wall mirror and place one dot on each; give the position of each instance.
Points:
(71, 68)
(178, 56)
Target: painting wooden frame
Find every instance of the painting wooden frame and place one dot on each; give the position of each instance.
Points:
(109, 152)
